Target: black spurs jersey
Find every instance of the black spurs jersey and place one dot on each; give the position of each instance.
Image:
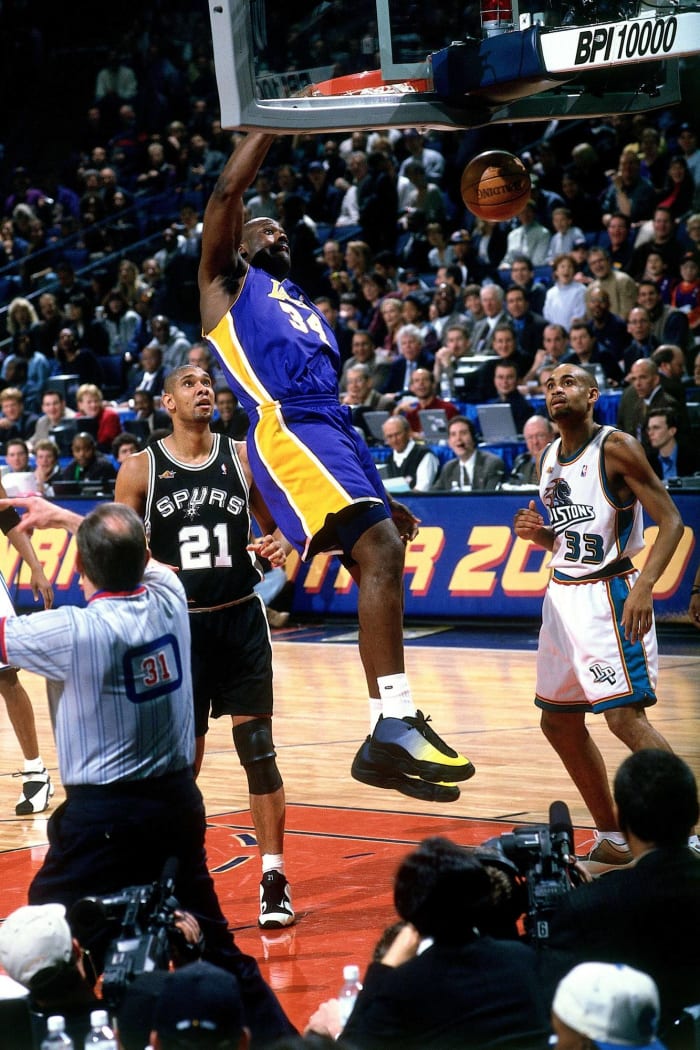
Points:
(197, 518)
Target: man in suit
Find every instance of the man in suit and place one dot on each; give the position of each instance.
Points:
(472, 469)
(669, 458)
(538, 432)
(644, 914)
(505, 380)
(416, 464)
(412, 355)
(643, 342)
(644, 393)
(491, 297)
(528, 325)
(506, 351)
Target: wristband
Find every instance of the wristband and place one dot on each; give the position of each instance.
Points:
(694, 590)
(9, 519)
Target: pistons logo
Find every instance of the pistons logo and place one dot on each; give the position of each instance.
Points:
(602, 673)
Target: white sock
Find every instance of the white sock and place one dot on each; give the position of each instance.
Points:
(375, 709)
(33, 765)
(395, 694)
(613, 836)
(694, 841)
(272, 862)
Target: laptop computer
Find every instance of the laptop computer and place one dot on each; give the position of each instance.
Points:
(598, 373)
(139, 428)
(497, 423)
(374, 421)
(433, 422)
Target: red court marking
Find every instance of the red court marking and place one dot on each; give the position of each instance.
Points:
(340, 863)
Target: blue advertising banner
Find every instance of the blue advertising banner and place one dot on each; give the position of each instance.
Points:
(466, 562)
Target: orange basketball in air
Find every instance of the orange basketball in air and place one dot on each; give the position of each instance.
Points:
(495, 186)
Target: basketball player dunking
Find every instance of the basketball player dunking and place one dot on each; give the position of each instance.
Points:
(194, 490)
(316, 475)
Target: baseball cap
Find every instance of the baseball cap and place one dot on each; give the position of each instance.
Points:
(690, 257)
(199, 998)
(33, 938)
(580, 242)
(460, 237)
(408, 276)
(315, 165)
(612, 1004)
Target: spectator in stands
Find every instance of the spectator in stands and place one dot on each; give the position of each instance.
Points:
(149, 374)
(529, 238)
(16, 457)
(473, 469)
(120, 321)
(584, 208)
(323, 199)
(538, 432)
(173, 344)
(505, 349)
(21, 318)
(426, 195)
(415, 309)
(669, 457)
(361, 397)
(90, 333)
(619, 287)
(26, 368)
(670, 361)
(412, 355)
(522, 273)
(441, 250)
(566, 299)
(70, 359)
(629, 193)
(48, 467)
(54, 413)
(679, 188)
(145, 411)
(231, 419)
(663, 240)
(686, 293)
(688, 144)
(421, 397)
(51, 320)
(579, 253)
(431, 160)
(527, 325)
(619, 234)
(643, 342)
(586, 351)
(116, 84)
(363, 352)
(200, 356)
(413, 463)
(505, 381)
(15, 420)
(87, 463)
(565, 235)
(349, 214)
(378, 204)
(644, 393)
(608, 330)
(456, 346)
(91, 405)
(124, 445)
(555, 343)
(195, 999)
(667, 323)
(492, 300)
(445, 310)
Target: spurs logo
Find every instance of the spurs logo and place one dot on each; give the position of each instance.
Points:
(602, 673)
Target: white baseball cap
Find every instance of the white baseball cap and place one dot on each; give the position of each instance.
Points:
(35, 938)
(614, 1005)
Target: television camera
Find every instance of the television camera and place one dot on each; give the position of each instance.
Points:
(138, 925)
(540, 863)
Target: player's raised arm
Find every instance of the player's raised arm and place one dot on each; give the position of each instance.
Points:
(223, 216)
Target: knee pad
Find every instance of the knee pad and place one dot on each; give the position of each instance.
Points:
(256, 753)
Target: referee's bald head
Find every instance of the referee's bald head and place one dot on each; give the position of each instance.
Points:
(112, 551)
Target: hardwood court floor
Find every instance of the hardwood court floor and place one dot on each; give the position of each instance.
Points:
(344, 840)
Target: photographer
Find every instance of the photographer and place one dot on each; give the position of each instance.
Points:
(443, 981)
(645, 914)
(120, 693)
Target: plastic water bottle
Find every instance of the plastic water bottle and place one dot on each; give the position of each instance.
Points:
(56, 1036)
(445, 385)
(352, 986)
(100, 1036)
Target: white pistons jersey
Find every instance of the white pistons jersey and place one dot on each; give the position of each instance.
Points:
(592, 531)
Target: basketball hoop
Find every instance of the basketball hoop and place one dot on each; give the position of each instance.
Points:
(496, 16)
(370, 82)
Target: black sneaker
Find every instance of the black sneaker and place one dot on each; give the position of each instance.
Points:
(275, 902)
(414, 748)
(382, 774)
(36, 791)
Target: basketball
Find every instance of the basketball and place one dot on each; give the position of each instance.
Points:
(495, 186)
